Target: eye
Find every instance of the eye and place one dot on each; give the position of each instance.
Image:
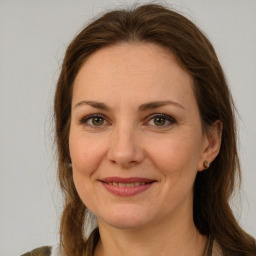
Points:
(95, 120)
(161, 120)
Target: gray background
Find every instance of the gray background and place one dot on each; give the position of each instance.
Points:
(33, 37)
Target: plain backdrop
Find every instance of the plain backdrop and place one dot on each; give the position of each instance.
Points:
(33, 38)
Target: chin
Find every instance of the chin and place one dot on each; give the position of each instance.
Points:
(126, 223)
(125, 219)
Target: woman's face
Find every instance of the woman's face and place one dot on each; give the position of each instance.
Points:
(136, 140)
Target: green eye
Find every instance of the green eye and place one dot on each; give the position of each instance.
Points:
(97, 121)
(159, 121)
(94, 120)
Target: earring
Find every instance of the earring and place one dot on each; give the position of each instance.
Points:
(206, 164)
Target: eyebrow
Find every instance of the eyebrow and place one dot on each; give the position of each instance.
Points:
(157, 104)
(94, 104)
(143, 107)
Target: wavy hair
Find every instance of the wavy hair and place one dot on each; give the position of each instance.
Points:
(153, 23)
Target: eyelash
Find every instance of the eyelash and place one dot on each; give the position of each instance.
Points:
(84, 120)
(167, 118)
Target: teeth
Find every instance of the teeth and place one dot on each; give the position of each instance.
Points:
(129, 185)
(134, 184)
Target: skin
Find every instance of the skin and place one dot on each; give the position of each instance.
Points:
(129, 141)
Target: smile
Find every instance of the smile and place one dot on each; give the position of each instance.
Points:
(118, 184)
(126, 186)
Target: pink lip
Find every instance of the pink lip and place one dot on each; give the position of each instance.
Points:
(127, 191)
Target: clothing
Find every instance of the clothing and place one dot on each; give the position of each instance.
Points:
(42, 251)
(212, 249)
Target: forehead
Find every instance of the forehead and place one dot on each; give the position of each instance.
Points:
(133, 70)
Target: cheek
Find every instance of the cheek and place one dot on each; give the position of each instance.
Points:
(175, 155)
(86, 154)
(175, 160)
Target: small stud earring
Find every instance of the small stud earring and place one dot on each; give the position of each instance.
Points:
(206, 164)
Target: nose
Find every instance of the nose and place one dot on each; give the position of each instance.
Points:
(126, 149)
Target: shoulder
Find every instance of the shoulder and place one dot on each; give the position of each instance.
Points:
(41, 251)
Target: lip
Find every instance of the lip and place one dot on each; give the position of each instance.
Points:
(145, 184)
(127, 180)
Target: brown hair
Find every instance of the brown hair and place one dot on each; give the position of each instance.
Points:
(213, 188)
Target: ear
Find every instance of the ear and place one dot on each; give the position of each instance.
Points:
(211, 144)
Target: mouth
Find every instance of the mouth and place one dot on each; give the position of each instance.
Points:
(127, 186)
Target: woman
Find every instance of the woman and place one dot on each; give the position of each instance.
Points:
(146, 140)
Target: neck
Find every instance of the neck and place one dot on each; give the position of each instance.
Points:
(170, 237)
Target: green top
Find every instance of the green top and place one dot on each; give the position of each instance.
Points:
(42, 251)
